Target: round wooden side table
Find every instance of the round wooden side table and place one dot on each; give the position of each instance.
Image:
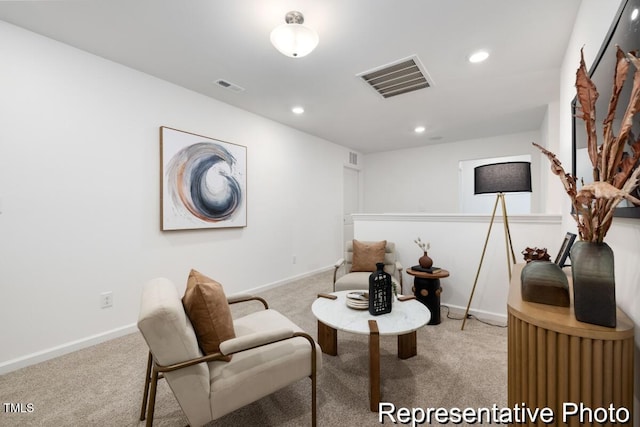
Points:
(427, 289)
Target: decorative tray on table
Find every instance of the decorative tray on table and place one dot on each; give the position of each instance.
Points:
(358, 300)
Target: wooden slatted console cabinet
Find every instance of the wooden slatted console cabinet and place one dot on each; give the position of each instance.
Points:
(554, 359)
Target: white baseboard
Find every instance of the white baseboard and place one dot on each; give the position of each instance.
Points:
(51, 353)
(287, 280)
(497, 318)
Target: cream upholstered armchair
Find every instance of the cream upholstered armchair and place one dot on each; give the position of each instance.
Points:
(359, 262)
(268, 353)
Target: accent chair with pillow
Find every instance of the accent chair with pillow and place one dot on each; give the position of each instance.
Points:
(215, 364)
(359, 262)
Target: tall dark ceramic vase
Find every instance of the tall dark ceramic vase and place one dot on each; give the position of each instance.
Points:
(380, 293)
(594, 287)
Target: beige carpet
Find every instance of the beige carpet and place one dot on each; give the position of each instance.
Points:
(102, 385)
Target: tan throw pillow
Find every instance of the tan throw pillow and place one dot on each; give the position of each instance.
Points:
(367, 254)
(206, 305)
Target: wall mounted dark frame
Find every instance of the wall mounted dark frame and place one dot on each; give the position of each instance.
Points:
(605, 60)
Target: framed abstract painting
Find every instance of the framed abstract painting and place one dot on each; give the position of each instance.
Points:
(204, 182)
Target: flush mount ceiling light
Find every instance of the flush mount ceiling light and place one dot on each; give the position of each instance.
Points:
(478, 56)
(294, 39)
(419, 129)
(297, 110)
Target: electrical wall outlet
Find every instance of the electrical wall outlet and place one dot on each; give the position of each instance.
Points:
(106, 299)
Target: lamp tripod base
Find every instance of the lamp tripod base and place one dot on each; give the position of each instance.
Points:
(508, 246)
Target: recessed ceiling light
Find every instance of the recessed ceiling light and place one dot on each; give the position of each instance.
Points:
(297, 110)
(419, 129)
(634, 14)
(478, 56)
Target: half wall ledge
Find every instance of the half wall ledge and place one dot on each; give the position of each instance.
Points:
(456, 217)
(456, 243)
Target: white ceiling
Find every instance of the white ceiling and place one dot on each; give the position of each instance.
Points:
(196, 42)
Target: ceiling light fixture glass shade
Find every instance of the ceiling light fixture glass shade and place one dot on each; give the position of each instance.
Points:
(294, 39)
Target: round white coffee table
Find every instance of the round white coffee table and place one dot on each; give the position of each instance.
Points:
(406, 316)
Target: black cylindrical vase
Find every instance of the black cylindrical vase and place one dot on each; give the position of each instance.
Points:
(594, 287)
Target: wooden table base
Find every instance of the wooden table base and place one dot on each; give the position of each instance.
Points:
(407, 347)
(328, 339)
(374, 366)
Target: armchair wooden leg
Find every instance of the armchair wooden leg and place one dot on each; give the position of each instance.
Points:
(152, 397)
(314, 411)
(147, 380)
(314, 366)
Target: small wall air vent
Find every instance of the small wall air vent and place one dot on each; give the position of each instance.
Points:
(353, 158)
(228, 85)
(405, 75)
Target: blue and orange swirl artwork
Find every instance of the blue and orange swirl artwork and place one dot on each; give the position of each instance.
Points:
(201, 180)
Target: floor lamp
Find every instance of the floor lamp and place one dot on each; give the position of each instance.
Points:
(499, 178)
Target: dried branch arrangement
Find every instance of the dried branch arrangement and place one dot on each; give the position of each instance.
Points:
(615, 174)
(422, 245)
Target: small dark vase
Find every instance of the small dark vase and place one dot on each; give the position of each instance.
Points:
(594, 287)
(425, 261)
(380, 292)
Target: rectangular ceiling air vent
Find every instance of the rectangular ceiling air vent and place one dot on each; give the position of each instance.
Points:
(228, 85)
(405, 75)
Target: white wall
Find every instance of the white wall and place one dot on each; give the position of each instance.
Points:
(551, 195)
(80, 197)
(456, 242)
(592, 24)
(425, 179)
